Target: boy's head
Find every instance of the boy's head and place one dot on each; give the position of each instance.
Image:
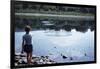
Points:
(27, 29)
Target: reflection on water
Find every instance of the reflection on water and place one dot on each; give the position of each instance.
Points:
(56, 24)
(75, 45)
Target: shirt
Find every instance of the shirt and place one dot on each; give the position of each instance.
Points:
(28, 39)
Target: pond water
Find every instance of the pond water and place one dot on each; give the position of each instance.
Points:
(76, 45)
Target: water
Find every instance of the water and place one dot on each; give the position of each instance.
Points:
(73, 44)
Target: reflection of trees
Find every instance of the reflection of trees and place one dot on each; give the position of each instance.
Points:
(92, 28)
(81, 29)
(68, 25)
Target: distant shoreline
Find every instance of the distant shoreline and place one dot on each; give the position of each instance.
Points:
(56, 15)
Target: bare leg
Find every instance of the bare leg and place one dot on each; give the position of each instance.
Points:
(28, 58)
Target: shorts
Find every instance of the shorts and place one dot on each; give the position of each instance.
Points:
(28, 48)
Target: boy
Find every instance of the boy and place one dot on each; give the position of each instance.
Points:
(27, 44)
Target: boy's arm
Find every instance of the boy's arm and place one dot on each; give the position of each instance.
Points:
(22, 46)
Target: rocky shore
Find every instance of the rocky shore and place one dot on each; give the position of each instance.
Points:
(21, 59)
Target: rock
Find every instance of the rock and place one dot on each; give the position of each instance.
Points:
(41, 60)
(35, 63)
(63, 56)
(34, 56)
(42, 57)
(21, 59)
(23, 62)
(16, 64)
(71, 58)
(22, 55)
(16, 60)
(48, 62)
(24, 59)
(47, 57)
(17, 54)
(17, 57)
